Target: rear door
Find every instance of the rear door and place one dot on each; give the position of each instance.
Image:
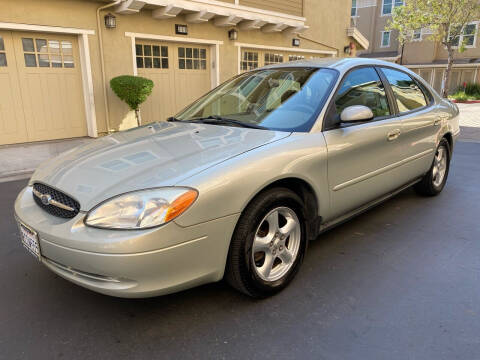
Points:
(419, 123)
(361, 156)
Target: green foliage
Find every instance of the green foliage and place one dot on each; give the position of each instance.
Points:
(446, 19)
(463, 95)
(134, 90)
(472, 89)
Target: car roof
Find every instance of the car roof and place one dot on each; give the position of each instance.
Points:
(340, 64)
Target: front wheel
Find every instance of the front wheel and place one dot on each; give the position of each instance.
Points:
(434, 181)
(268, 244)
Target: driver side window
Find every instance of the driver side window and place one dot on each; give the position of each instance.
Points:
(363, 87)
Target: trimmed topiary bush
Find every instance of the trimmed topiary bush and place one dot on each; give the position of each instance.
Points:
(134, 90)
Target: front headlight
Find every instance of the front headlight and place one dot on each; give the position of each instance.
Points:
(142, 209)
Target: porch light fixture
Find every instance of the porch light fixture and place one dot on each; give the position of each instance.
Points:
(295, 42)
(233, 34)
(110, 21)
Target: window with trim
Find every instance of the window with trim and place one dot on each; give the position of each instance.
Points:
(271, 58)
(408, 94)
(417, 35)
(192, 58)
(249, 60)
(3, 55)
(467, 37)
(47, 53)
(388, 5)
(151, 56)
(295, 57)
(385, 39)
(354, 8)
(363, 87)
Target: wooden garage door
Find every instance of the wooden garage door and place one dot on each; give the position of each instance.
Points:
(12, 119)
(180, 72)
(254, 58)
(43, 76)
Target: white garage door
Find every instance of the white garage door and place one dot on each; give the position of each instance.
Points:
(41, 96)
(180, 72)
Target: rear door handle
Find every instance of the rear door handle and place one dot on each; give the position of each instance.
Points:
(393, 134)
(437, 121)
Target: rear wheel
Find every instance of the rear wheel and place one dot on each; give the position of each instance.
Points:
(268, 244)
(434, 181)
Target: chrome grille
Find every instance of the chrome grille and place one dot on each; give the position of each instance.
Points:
(55, 202)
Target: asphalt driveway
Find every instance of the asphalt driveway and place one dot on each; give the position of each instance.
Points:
(399, 282)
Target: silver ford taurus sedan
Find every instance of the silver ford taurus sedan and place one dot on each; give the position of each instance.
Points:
(236, 184)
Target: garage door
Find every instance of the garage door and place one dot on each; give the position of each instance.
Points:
(181, 74)
(254, 58)
(41, 95)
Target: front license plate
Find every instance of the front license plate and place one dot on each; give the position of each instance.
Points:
(30, 240)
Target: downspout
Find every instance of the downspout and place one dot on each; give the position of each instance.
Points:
(102, 62)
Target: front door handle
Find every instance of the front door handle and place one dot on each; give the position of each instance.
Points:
(393, 134)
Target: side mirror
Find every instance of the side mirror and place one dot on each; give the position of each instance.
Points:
(356, 113)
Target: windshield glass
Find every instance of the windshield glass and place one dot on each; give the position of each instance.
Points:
(286, 99)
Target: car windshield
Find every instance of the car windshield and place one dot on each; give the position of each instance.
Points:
(285, 99)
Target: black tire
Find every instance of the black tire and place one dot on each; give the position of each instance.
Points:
(426, 186)
(240, 272)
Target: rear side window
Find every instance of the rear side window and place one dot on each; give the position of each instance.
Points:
(407, 93)
(363, 87)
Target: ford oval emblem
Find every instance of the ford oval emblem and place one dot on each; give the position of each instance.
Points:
(45, 198)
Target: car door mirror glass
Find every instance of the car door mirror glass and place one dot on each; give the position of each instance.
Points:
(356, 113)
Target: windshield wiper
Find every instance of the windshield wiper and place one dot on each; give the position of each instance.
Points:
(172, 118)
(215, 119)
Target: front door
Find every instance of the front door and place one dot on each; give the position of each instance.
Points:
(361, 157)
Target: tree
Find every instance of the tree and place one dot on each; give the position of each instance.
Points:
(446, 19)
(134, 90)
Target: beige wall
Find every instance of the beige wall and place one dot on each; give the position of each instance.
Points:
(293, 7)
(328, 20)
(371, 23)
(419, 52)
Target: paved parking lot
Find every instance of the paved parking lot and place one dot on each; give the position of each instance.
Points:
(399, 282)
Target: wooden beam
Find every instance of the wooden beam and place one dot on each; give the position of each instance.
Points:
(166, 12)
(230, 20)
(199, 17)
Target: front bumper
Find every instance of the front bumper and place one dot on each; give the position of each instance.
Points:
(129, 263)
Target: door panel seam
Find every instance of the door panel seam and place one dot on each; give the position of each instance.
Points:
(381, 170)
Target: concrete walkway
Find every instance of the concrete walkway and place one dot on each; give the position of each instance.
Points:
(470, 122)
(20, 160)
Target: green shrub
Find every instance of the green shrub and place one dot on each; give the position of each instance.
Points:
(134, 90)
(461, 95)
(472, 89)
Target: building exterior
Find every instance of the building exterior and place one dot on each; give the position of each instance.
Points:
(427, 58)
(57, 57)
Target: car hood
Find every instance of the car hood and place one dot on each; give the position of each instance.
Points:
(160, 154)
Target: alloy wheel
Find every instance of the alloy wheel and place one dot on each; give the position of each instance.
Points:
(439, 166)
(276, 244)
